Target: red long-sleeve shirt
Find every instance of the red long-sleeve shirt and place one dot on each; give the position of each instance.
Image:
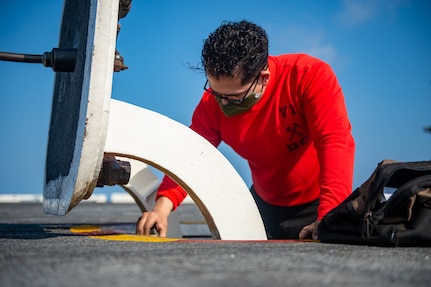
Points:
(296, 138)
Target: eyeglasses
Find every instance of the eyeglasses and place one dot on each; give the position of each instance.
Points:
(228, 98)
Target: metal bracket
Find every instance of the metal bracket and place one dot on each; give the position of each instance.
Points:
(123, 10)
(113, 172)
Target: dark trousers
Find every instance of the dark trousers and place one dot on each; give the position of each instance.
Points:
(285, 222)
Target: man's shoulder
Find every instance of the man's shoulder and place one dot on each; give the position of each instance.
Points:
(296, 58)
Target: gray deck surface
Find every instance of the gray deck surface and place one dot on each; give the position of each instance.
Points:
(40, 250)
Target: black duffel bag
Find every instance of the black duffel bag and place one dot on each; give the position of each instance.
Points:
(392, 208)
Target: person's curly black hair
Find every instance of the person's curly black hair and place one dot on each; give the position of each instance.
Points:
(235, 48)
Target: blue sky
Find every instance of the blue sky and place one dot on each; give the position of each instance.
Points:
(379, 49)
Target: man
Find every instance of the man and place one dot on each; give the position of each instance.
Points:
(286, 116)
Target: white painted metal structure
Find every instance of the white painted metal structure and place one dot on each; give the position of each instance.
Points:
(113, 127)
(206, 175)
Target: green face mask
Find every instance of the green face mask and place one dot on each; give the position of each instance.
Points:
(232, 109)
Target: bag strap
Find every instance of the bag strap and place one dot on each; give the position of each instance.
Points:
(407, 191)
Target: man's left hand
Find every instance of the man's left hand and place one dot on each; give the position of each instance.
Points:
(310, 231)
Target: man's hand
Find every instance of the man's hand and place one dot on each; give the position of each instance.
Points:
(157, 218)
(310, 231)
(151, 219)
